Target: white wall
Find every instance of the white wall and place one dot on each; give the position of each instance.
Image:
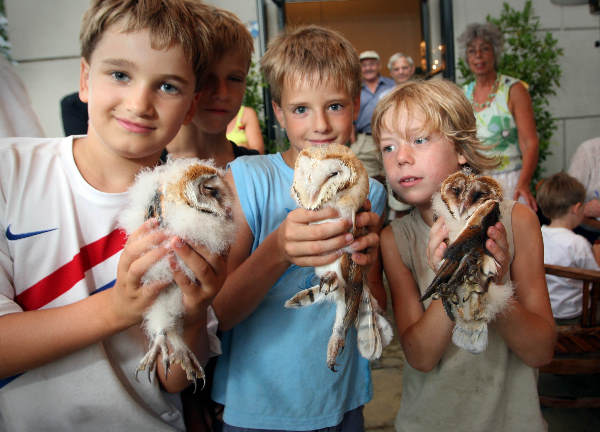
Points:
(577, 103)
(45, 43)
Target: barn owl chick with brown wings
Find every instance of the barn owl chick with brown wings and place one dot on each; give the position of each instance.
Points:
(191, 200)
(465, 280)
(332, 176)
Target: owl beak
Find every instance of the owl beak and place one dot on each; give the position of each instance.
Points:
(462, 209)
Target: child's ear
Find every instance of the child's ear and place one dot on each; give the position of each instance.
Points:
(84, 80)
(278, 114)
(189, 116)
(356, 107)
(462, 160)
(576, 208)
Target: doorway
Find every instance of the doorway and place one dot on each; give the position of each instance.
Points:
(385, 26)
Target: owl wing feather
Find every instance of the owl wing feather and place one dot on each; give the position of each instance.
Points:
(373, 330)
(471, 240)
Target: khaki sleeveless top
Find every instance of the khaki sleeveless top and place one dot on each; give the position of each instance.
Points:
(491, 391)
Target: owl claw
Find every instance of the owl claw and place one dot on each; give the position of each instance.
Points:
(448, 308)
(334, 347)
(180, 353)
(328, 282)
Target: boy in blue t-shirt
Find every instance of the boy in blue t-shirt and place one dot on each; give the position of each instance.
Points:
(273, 374)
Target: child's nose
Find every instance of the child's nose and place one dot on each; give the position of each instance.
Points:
(140, 101)
(321, 122)
(220, 89)
(404, 155)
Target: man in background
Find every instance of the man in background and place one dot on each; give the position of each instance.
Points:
(402, 67)
(374, 86)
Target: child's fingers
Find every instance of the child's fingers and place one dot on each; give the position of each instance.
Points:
(298, 232)
(368, 241)
(317, 248)
(304, 216)
(497, 245)
(141, 265)
(210, 270)
(140, 243)
(366, 248)
(316, 261)
(143, 230)
(202, 262)
(153, 289)
(368, 219)
(437, 246)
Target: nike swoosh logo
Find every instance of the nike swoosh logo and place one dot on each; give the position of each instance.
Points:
(12, 236)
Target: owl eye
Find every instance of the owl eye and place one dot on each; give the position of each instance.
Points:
(333, 174)
(477, 195)
(455, 190)
(214, 192)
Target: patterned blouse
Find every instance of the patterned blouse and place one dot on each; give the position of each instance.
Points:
(496, 126)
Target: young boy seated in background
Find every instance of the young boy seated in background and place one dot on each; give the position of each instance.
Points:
(71, 299)
(272, 373)
(561, 199)
(220, 95)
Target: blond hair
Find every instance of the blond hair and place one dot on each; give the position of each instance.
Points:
(170, 22)
(446, 110)
(311, 54)
(558, 193)
(229, 34)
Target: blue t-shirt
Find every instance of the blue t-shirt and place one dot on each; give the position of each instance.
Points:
(273, 372)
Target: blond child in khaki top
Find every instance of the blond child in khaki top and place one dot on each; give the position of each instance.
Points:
(426, 131)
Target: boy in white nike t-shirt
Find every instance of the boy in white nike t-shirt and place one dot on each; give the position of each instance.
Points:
(71, 300)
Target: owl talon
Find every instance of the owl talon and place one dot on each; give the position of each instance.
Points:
(148, 362)
(448, 308)
(334, 347)
(187, 360)
(328, 283)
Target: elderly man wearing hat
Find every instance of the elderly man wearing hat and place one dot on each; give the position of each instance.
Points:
(374, 86)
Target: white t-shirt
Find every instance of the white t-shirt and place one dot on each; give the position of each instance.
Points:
(60, 244)
(565, 248)
(585, 167)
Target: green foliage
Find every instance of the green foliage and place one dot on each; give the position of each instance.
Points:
(532, 57)
(4, 43)
(255, 84)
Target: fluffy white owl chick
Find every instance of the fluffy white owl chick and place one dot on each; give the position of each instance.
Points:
(469, 205)
(332, 176)
(191, 200)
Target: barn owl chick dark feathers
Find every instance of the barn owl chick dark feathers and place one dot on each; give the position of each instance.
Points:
(190, 200)
(469, 205)
(332, 176)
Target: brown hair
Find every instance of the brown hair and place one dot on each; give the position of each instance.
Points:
(170, 22)
(558, 193)
(446, 110)
(229, 33)
(312, 54)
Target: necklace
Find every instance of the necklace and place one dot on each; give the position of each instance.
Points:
(489, 98)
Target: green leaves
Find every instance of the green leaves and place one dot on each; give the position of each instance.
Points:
(531, 56)
(255, 83)
(4, 43)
